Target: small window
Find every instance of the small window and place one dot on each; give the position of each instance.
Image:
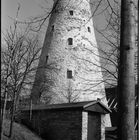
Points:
(71, 12)
(89, 29)
(53, 28)
(69, 74)
(70, 41)
(46, 58)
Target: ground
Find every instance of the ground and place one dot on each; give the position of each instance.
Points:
(19, 132)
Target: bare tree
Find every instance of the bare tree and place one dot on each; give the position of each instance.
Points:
(43, 85)
(110, 41)
(20, 55)
(70, 95)
(108, 47)
(110, 36)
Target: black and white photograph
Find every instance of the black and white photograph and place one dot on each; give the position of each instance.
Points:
(69, 70)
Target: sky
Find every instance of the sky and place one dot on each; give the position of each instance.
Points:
(28, 9)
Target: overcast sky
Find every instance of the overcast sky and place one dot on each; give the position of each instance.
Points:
(31, 8)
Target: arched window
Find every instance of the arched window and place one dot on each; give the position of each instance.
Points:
(71, 12)
(89, 29)
(69, 74)
(70, 41)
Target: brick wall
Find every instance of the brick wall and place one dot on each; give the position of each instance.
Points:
(55, 124)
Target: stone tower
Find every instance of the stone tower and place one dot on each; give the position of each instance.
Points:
(69, 66)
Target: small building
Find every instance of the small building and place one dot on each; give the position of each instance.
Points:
(68, 121)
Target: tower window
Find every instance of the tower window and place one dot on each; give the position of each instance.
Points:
(53, 28)
(69, 74)
(70, 41)
(89, 29)
(71, 12)
(46, 58)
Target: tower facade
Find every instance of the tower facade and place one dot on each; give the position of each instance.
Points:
(69, 67)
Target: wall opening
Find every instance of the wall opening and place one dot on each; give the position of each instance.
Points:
(71, 12)
(89, 29)
(47, 58)
(69, 74)
(52, 27)
(70, 41)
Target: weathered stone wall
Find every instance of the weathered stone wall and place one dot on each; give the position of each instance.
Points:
(84, 125)
(82, 57)
(70, 19)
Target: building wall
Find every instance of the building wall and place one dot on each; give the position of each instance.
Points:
(71, 124)
(70, 19)
(55, 125)
(84, 125)
(82, 57)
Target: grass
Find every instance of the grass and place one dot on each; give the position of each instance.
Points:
(19, 132)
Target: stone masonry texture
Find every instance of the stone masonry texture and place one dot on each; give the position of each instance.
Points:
(69, 46)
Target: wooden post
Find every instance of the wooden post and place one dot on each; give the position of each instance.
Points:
(126, 80)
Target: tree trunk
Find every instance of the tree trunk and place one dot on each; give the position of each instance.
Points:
(126, 80)
(12, 114)
(3, 115)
